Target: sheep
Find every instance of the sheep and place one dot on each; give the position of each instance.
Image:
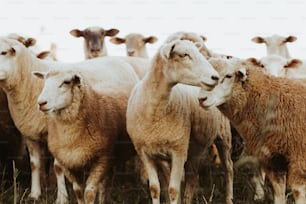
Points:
(258, 105)
(94, 45)
(280, 66)
(199, 40)
(22, 90)
(84, 124)
(135, 44)
(276, 44)
(166, 123)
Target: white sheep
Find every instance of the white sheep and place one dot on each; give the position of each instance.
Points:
(199, 40)
(85, 122)
(135, 44)
(22, 90)
(276, 44)
(269, 113)
(165, 121)
(94, 45)
(280, 66)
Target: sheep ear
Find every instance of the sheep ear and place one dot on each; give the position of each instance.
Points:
(117, 40)
(43, 55)
(167, 51)
(12, 51)
(39, 75)
(253, 61)
(111, 32)
(150, 39)
(29, 42)
(76, 33)
(258, 39)
(203, 38)
(76, 80)
(241, 74)
(291, 38)
(293, 63)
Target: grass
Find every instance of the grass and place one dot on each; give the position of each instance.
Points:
(127, 189)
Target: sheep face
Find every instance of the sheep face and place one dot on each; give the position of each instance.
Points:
(9, 50)
(231, 75)
(276, 65)
(94, 40)
(183, 63)
(58, 91)
(275, 44)
(135, 44)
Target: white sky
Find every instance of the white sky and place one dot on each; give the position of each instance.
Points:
(228, 24)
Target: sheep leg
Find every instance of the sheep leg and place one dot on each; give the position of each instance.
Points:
(176, 177)
(35, 160)
(62, 195)
(151, 170)
(224, 147)
(192, 180)
(299, 193)
(76, 185)
(97, 178)
(278, 182)
(192, 171)
(258, 180)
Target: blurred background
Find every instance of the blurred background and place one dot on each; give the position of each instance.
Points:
(228, 25)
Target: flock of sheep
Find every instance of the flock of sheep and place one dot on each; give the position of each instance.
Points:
(166, 111)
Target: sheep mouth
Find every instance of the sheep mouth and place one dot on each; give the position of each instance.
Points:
(44, 109)
(203, 104)
(209, 87)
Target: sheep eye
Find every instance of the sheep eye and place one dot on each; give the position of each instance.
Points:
(262, 66)
(3, 52)
(228, 76)
(67, 82)
(185, 55)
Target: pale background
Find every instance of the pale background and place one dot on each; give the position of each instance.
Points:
(228, 24)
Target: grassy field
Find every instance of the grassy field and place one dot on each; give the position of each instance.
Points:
(126, 188)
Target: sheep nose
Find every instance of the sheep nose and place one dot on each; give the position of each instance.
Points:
(201, 100)
(215, 78)
(95, 49)
(131, 52)
(42, 103)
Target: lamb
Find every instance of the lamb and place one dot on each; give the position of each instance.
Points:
(135, 44)
(165, 122)
(94, 45)
(84, 124)
(257, 105)
(22, 90)
(280, 66)
(276, 44)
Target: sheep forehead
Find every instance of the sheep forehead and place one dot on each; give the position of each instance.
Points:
(58, 76)
(223, 66)
(134, 38)
(185, 46)
(275, 39)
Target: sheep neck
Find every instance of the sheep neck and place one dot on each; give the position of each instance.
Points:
(252, 108)
(71, 114)
(22, 90)
(159, 88)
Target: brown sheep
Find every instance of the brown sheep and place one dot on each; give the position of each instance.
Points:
(258, 106)
(85, 123)
(94, 45)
